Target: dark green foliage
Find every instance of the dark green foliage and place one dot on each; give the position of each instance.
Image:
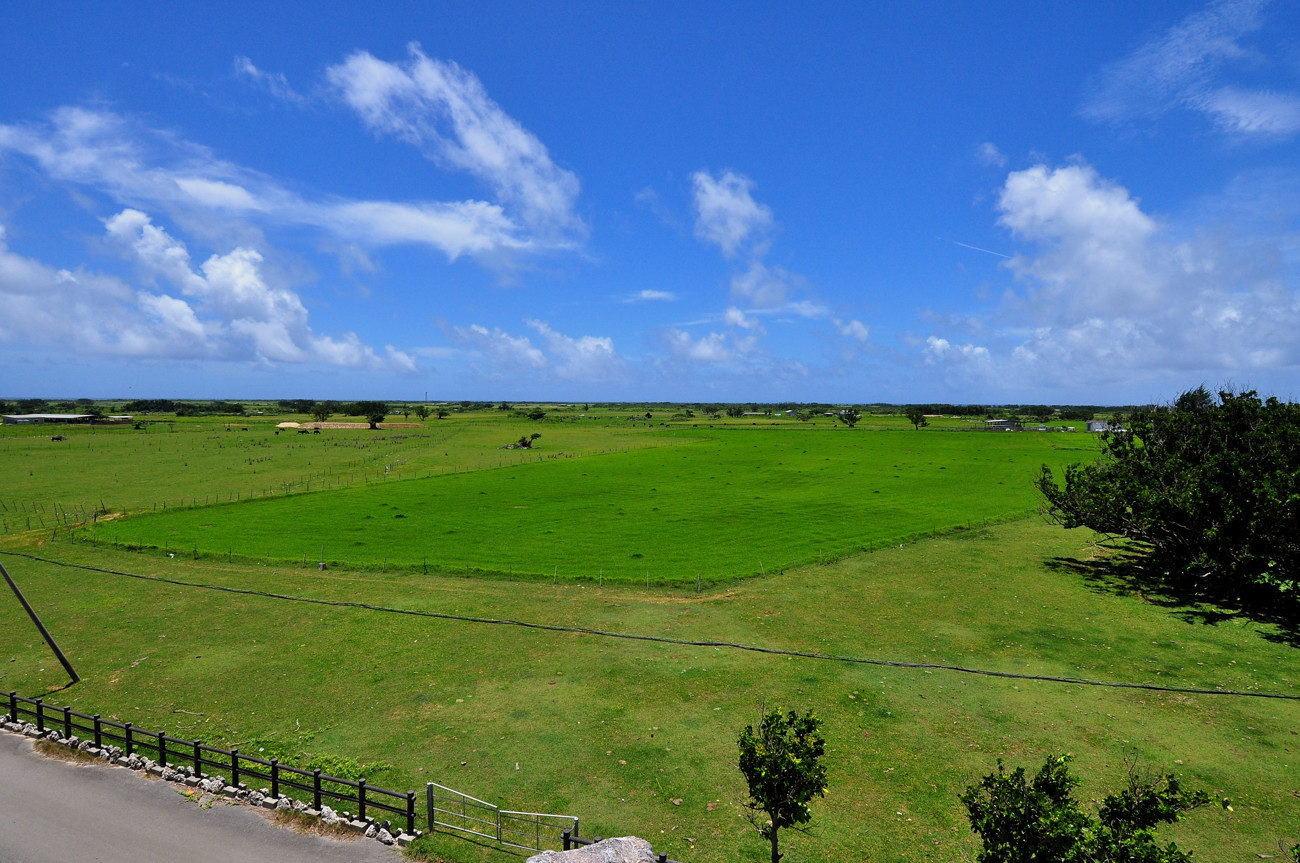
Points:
(849, 416)
(1039, 821)
(422, 411)
(1210, 487)
(320, 411)
(916, 416)
(536, 414)
(203, 409)
(374, 412)
(149, 406)
(736, 411)
(781, 762)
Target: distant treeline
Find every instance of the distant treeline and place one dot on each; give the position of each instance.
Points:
(183, 409)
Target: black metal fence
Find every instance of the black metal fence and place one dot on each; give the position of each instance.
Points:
(213, 761)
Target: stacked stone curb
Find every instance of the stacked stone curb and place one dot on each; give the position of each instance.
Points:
(381, 831)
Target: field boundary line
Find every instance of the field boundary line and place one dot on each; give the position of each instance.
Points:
(663, 639)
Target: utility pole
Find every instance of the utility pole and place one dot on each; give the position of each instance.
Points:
(45, 633)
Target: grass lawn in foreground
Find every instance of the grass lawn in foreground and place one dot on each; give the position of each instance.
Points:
(613, 731)
(725, 502)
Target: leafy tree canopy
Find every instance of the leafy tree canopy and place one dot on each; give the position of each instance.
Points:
(781, 762)
(1209, 487)
(1024, 820)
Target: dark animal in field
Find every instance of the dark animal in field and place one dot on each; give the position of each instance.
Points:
(59, 437)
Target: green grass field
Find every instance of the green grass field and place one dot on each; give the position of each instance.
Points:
(719, 503)
(615, 730)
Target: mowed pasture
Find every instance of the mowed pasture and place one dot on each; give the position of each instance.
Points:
(615, 731)
(719, 503)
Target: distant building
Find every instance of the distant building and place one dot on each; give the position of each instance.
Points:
(999, 425)
(1098, 426)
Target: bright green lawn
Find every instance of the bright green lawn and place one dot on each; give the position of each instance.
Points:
(729, 501)
(424, 695)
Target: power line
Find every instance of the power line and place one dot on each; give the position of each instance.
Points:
(662, 639)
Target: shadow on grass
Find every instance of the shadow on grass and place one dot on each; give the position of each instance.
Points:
(1124, 572)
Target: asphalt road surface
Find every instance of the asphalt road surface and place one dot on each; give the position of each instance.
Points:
(52, 811)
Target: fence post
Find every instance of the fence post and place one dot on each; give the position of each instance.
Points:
(315, 789)
(428, 802)
(361, 799)
(410, 812)
(162, 748)
(565, 838)
(127, 734)
(40, 714)
(99, 740)
(198, 760)
(13, 706)
(67, 722)
(663, 857)
(275, 778)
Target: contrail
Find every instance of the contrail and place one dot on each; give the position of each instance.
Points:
(977, 249)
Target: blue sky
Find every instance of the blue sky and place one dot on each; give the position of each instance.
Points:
(995, 202)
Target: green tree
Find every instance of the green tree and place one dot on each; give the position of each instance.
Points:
(736, 411)
(849, 416)
(422, 411)
(536, 414)
(1208, 488)
(321, 411)
(916, 416)
(441, 413)
(781, 762)
(374, 412)
(1039, 820)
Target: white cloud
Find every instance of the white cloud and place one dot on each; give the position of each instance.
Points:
(136, 165)
(500, 347)
(853, 329)
(989, 155)
(652, 296)
(727, 215)
(734, 317)
(939, 350)
(710, 349)
(1252, 112)
(1114, 294)
(445, 110)
(275, 82)
(246, 318)
(763, 286)
(587, 358)
(1184, 68)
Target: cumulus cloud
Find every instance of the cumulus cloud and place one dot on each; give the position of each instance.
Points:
(226, 311)
(587, 358)
(711, 348)
(1185, 66)
(763, 286)
(245, 317)
(727, 216)
(446, 112)
(1113, 292)
(502, 349)
(853, 329)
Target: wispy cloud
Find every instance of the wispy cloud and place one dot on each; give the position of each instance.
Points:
(275, 82)
(1185, 67)
(445, 111)
(649, 296)
(136, 165)
(989, 155)
(727, 216)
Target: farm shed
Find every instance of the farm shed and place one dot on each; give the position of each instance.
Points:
(38, 419)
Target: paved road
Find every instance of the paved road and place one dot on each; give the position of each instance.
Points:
(54, 812)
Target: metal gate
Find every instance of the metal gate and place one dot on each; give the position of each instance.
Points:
(453, 810)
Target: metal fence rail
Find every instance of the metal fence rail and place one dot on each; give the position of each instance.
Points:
(533, 831)
(210, 761)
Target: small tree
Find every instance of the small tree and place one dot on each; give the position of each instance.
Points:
(536, 414)
(849, 416)
(422, 411)
(1023, 821)
(782, 764)
(916, 417)
(441, 413)
(374, 412)
(321, 411)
